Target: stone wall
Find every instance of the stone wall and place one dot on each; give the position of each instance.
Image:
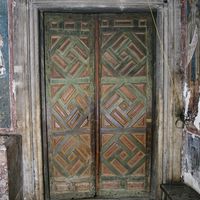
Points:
(11, 184)
(3, 171)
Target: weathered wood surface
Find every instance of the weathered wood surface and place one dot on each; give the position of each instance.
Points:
(125, 104)
(69, 69)
(103, 4)
(26, 61)
(179, 191)
(125, 65)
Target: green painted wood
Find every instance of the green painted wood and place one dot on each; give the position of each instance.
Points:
(125, 105)
(69, 68)
(126, 90)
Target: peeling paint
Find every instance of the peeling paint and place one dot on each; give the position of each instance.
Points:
(191, 164)
(191, 181)
(5, 118)
(186, 95)
(192, 46)
(197, 119)
(191, 148)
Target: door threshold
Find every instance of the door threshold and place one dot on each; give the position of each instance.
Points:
(131, 198)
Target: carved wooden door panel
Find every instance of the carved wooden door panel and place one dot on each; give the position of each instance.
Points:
(125, 105)
(98, 64)
(69, 72)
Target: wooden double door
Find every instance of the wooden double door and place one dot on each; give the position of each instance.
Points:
(98, 83)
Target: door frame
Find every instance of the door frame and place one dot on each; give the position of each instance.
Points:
(165, 154)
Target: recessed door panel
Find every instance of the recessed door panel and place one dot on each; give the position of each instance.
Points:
(69, 71)
(124, 106)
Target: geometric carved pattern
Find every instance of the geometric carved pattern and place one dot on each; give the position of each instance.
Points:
(69, 72)
(69, 84)
(123, 54)
(124, 90)
(124, 104)
(71, 155)
(123, 154)
(70, 109)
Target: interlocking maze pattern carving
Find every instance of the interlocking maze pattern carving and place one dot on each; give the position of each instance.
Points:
(125, 104)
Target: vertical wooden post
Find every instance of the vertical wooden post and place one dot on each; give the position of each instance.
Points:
(184, 36)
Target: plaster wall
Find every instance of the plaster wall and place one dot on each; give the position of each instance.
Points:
(191, 147)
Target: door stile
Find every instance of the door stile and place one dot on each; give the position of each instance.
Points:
(44, 108)
(150, 104)
(97, 103)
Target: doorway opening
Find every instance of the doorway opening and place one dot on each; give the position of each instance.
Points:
(97, 94)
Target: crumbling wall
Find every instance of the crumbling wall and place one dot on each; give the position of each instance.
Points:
(3, 172)
(11, 182)
(192, 161)
(191, 148)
